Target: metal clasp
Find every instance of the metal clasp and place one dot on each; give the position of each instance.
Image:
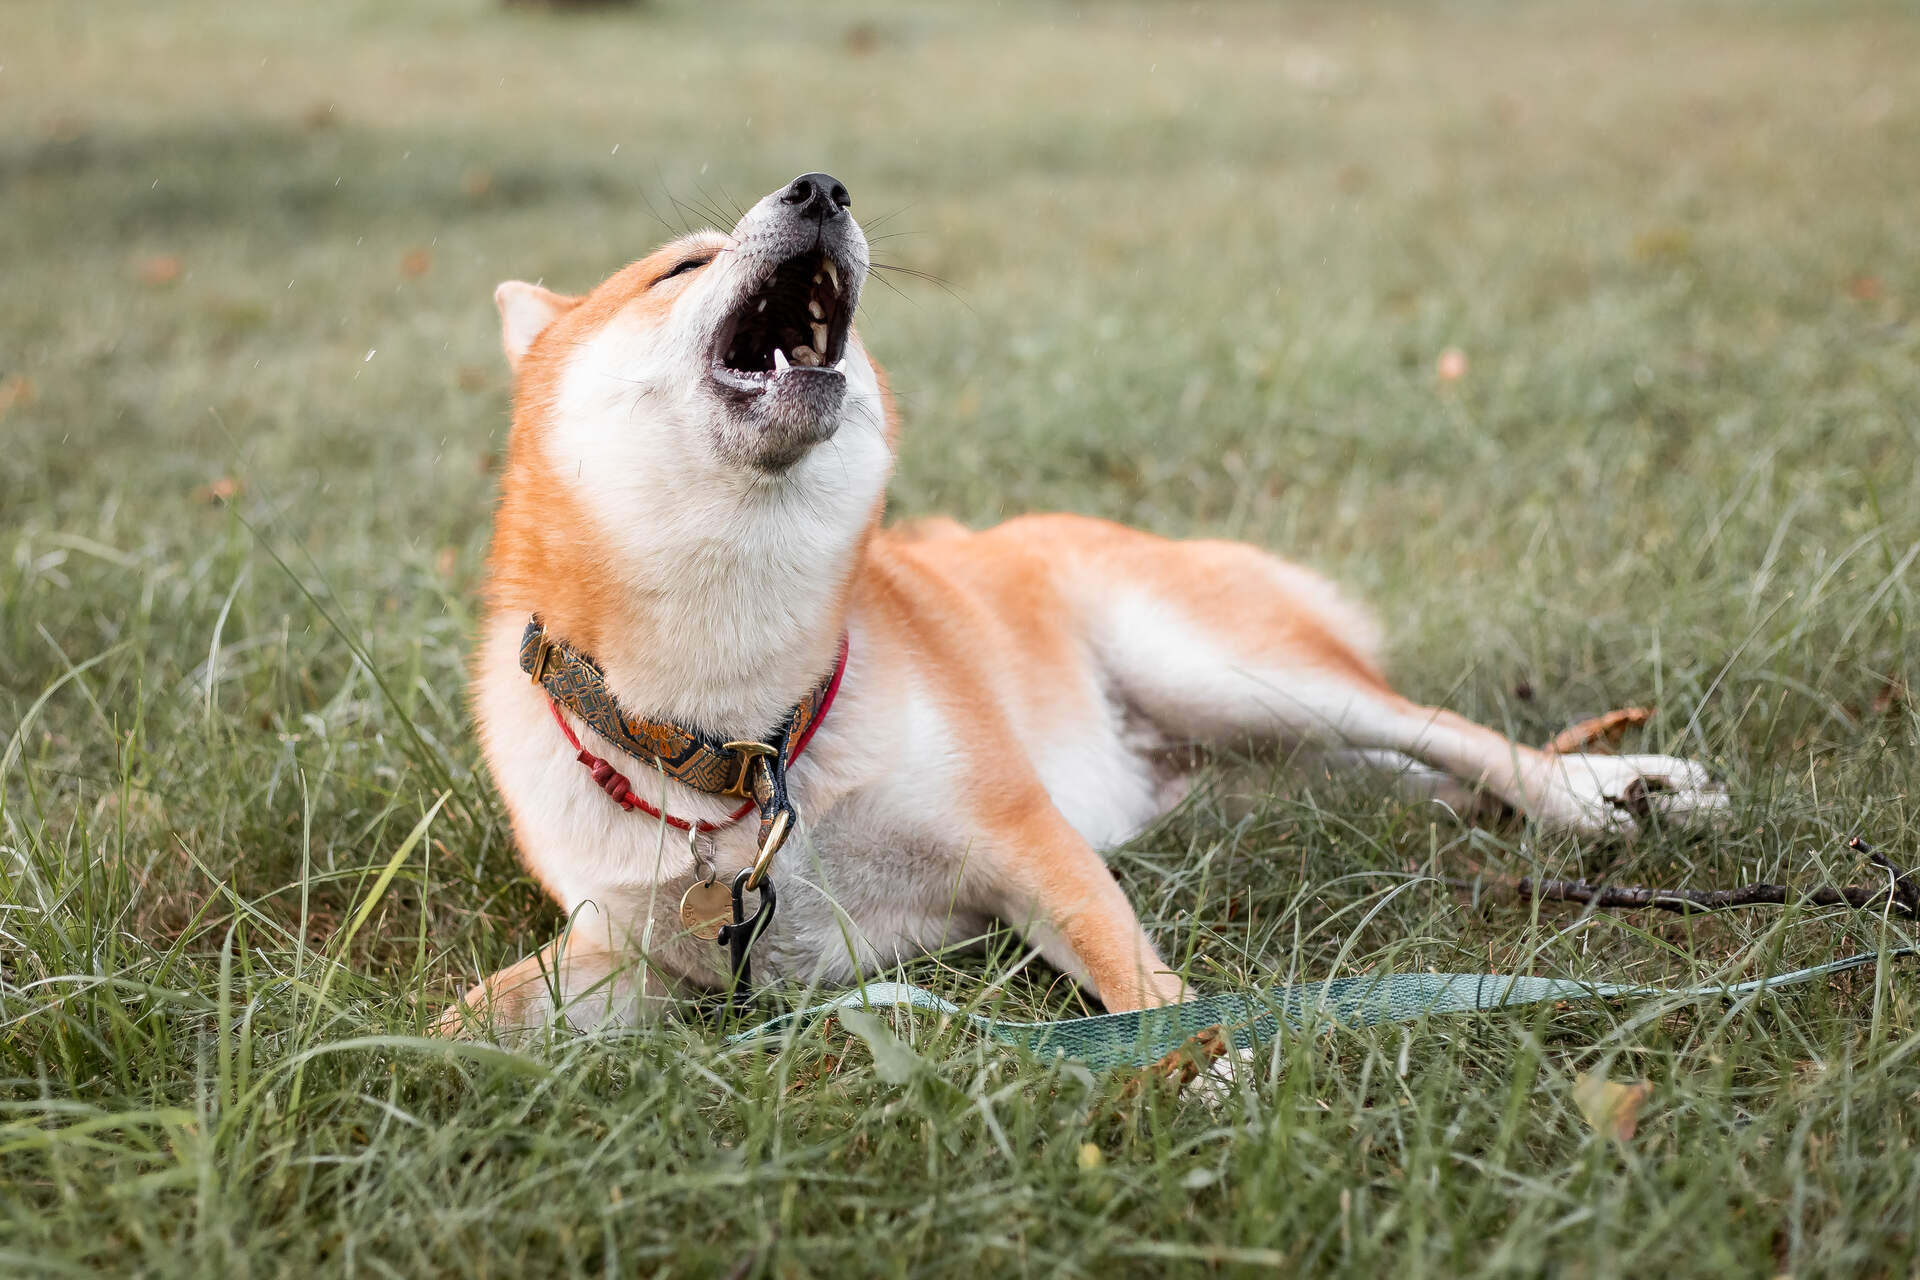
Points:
(776, 836)
(738, 938)
(743, 785)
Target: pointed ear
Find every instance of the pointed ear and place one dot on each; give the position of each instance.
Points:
(525, 312)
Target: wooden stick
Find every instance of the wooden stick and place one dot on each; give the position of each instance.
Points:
(1904, 885)
(1858, 897)
(1902, 895)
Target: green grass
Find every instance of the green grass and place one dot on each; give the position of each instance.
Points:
(1198, 264)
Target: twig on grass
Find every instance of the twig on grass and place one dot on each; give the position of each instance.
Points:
(1901, 895)
(1857, 897)
(1904, 886)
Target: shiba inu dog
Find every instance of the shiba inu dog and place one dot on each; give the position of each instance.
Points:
(694, 611)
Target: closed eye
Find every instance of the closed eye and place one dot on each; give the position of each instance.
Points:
(691, 264)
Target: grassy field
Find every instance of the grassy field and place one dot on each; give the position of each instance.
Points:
(1197, 269)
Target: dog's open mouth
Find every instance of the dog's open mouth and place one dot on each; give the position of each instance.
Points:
(795, 323)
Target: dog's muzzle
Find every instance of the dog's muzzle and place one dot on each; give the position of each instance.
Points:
(780, 352)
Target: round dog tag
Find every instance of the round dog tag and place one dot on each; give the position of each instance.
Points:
(706, 908)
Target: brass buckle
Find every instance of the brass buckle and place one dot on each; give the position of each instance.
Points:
(776, 836)
(742, 787)
(540, 656)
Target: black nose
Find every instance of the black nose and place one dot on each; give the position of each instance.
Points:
(819, 196)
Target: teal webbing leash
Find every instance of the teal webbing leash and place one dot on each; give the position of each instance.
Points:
(1145, 1036)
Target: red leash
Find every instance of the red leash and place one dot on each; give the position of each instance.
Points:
(615, 784)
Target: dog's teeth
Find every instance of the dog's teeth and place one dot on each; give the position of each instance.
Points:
(820, 338)
(833, 273)
(806, 356)
(761, 307)
(817, 311)
(780, 358)
(840, 365)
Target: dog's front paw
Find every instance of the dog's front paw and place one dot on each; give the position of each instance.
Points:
(1618, 795)
(465, 1019)
(502, 1010)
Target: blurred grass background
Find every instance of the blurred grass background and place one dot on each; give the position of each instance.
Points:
(1197, 267)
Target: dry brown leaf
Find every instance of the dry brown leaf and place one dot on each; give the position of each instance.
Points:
(162, 268)
(1602, 733)
(415, 262)
(446, 561)
(16, 390)
(1864, 288)
(1184, 1065)
(1610, 1107)
(472, 377)
(1891, 698)
(476, 183)
(225, 489)
(1452, 365)
(1662, 242)
(861, 38)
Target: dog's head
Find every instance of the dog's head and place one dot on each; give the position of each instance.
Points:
(702, 432)
(716, 353)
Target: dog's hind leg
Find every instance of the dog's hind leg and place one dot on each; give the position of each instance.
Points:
(1221, 645)
(1409, 779)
